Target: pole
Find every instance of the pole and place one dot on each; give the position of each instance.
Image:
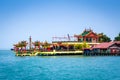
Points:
(30, 43)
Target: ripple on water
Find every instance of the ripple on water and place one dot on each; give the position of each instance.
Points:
(58, 67)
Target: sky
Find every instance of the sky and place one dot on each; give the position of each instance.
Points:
(44, 19)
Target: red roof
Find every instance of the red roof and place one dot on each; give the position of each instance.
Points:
(118, 42)
(104, 45)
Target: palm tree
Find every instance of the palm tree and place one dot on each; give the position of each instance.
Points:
(37, 44)
(20, 46)
(23, 45)
(16, 47)
(45, 45)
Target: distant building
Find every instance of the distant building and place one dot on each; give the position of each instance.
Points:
(87, 36)
(107, 47)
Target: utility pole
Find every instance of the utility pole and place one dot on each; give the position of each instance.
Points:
(30, 43)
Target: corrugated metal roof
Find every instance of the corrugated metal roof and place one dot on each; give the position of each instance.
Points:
(118, 42)
(104, 45)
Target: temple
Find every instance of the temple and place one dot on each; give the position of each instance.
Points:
(87, 36)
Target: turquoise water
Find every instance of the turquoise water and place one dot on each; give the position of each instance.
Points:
(58, 67)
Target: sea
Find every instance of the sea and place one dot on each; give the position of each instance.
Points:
(75, 67)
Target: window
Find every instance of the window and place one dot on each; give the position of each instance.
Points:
(87, 39)
(90, 39)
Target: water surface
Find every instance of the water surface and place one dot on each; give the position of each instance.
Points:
(58, 67)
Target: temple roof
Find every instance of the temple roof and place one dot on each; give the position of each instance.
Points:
(85, 33)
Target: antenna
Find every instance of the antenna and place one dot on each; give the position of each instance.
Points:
(68, 37)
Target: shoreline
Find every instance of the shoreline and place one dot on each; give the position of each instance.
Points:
(65, 53)
(51, 53)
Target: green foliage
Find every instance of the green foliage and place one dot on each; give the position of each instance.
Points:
(46, 44)
(103, 38)
(23, 43)
(117, 38)
(82, 46)
(37, 43)
(85, 45)
(78, 46)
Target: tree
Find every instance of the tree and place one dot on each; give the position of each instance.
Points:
(103, 38)
(117, 38)
(82, 46)
(85, 45)
(20, 46)
(16, 47)
(78, 46)
(23, 45)
(45, 45)
(37, 45)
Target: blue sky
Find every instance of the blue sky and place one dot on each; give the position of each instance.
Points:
(43, 19)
